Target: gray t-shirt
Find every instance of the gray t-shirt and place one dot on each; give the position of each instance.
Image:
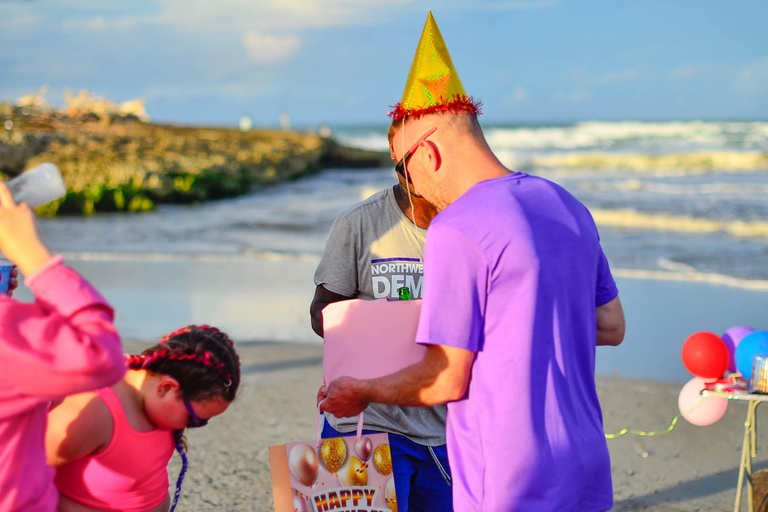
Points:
(372, 250)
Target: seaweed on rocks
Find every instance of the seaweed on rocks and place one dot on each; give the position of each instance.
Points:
(127, 165)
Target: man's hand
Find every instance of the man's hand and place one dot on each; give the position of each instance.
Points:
(342, 397)
(320, 395)
(19, 239)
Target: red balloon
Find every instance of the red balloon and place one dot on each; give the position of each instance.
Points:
(705, 355)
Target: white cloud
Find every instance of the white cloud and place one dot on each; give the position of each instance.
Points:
(63, 69)
(488, 5)
(575, 96)
(753, 78)
(708, 71)
(254, 21)
(14, 20)
(246, 89)
(264, 47)
(102, 24)
(579, 96)
(515, 98)
(521, 5)
(289, 15)
(97, 24)
(612, 77)
(92, 5)
(585, 78)
(686, 71)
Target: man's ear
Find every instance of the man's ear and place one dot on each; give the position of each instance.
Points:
(433, 154)
(167, 386)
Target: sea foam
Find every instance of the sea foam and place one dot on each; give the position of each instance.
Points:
(624, 218)
(695, 162)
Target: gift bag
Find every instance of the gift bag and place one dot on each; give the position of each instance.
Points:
(339, 474)
(367, 339)
(362, 339)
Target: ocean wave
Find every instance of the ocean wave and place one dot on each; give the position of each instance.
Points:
(603, 134)
(372, 141)
(692, 276)
(661, 222)
(698, 162)
(664, 136)
(206, 257)
(635, 185)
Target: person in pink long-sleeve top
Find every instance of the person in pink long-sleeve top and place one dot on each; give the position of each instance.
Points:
(64, 342)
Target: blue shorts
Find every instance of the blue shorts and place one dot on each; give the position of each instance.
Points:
(422, 473)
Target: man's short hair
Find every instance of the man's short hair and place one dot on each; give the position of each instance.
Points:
(465, 120)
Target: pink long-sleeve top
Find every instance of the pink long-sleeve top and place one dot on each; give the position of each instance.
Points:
(63, 343)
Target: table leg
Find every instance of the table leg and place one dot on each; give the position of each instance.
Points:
(748, 450)
(752, 450)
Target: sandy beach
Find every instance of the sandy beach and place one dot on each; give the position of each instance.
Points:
(263, 303)
(689, 469)
(208, 149)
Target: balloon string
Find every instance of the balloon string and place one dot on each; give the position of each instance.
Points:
(654, 432)
(643, 433)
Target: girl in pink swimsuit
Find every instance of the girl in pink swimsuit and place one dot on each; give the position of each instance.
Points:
(111, 447)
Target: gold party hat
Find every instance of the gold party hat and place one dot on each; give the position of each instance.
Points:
(433, 84)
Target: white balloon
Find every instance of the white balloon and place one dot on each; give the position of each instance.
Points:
(697, 409)
(299, 505)
(364, 448)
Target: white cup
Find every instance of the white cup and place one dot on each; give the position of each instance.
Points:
(5, 275)
(37, 186)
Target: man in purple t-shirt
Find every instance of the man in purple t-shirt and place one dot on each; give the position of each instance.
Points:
(517, 295)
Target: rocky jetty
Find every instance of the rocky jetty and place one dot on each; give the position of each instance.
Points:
(121, 163)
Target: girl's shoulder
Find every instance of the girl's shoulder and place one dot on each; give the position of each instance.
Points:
(132, 410)
(78, 426)
(81, 407)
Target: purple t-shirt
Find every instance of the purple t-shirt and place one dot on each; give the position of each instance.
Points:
(513, 272)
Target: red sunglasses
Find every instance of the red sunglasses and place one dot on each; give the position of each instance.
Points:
(400, 166)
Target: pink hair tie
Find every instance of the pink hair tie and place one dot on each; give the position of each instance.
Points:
(174, 334)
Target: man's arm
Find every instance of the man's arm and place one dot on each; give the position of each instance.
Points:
(321, 299)
(610, 323)
(442, 376)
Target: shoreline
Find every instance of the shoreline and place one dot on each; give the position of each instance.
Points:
(268, 299)
(691, 276)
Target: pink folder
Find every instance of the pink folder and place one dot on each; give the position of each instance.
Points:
(366, 339)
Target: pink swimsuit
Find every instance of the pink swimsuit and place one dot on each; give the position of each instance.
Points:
(63, 343)
(130, 475)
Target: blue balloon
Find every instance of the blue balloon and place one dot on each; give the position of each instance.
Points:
(751, 345)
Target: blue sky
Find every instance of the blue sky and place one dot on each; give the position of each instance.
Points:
(346, 61)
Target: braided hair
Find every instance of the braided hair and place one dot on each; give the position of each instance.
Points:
(204, 362)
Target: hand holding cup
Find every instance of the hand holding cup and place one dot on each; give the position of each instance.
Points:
(8, 277)
(19, 238)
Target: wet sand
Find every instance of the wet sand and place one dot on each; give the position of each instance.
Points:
(267, 299)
